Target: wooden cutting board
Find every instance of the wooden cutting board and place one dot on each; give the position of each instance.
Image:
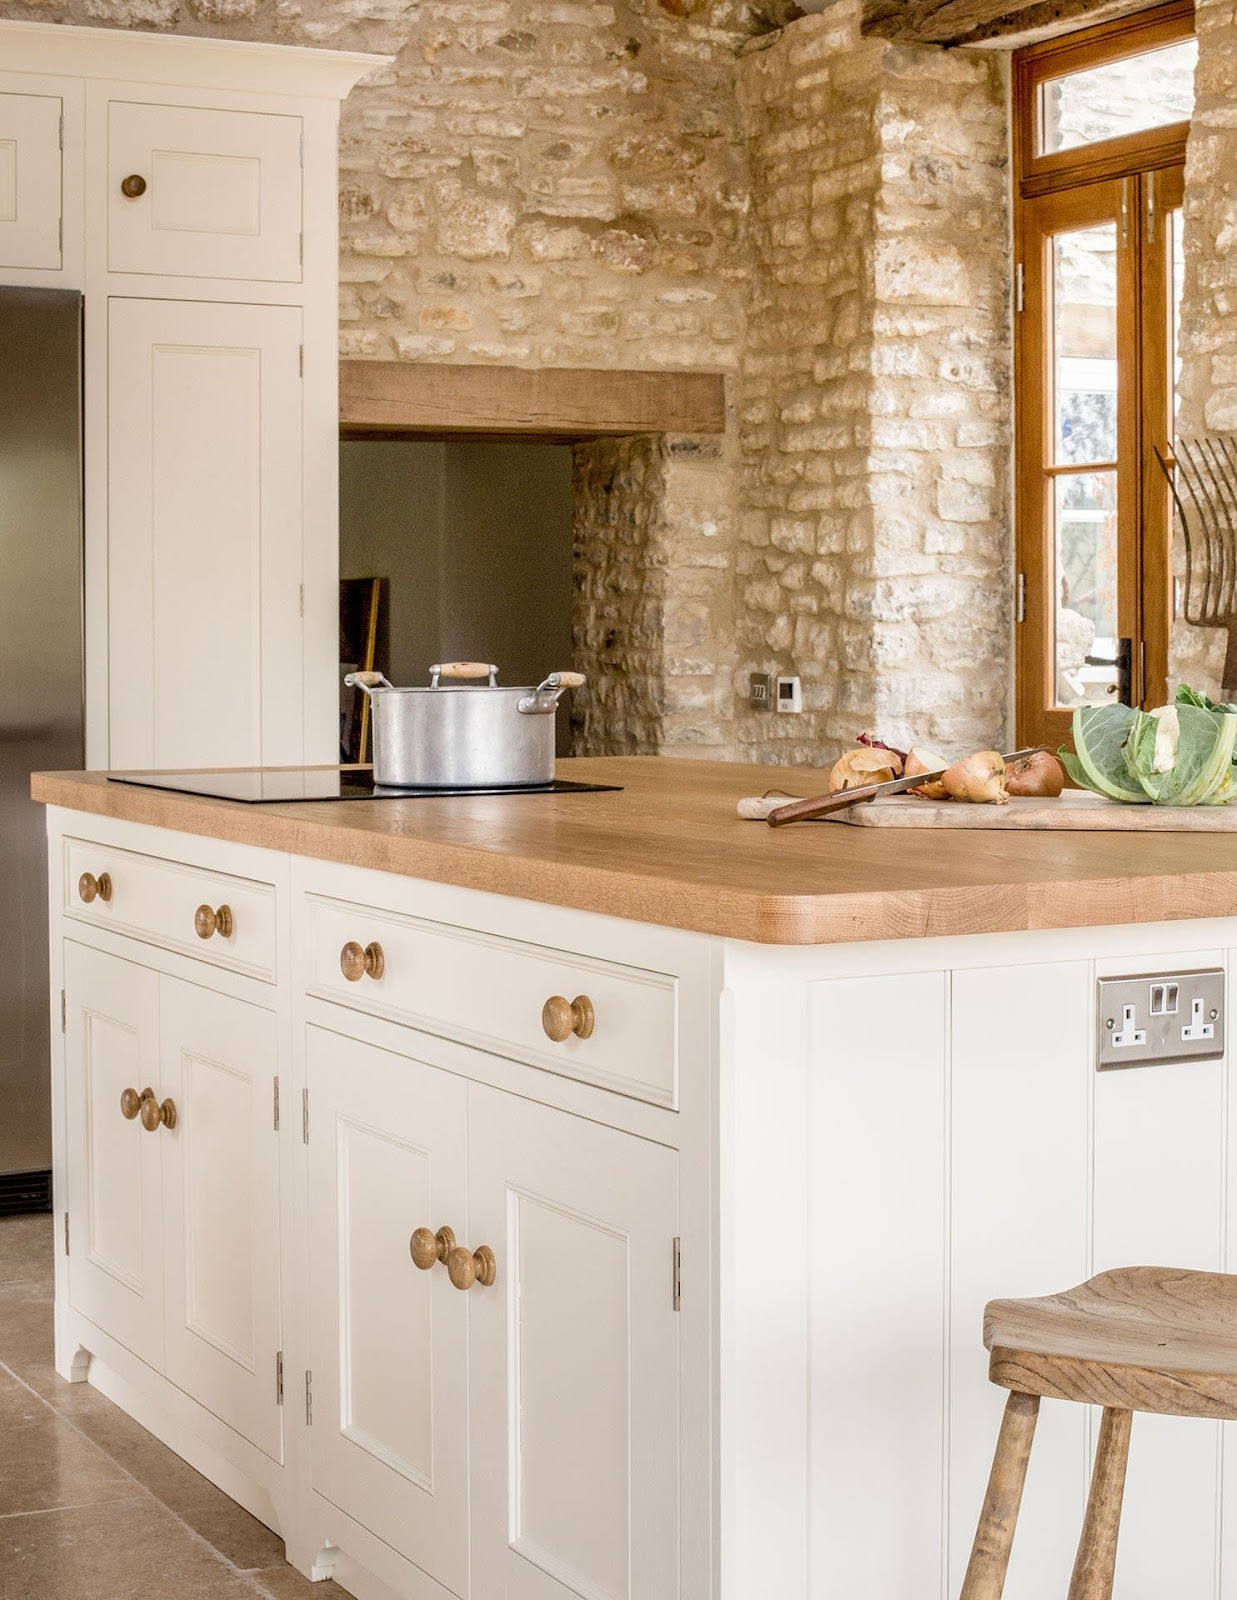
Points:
(1077, 811)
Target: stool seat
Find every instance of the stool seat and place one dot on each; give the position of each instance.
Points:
(1142, 1338)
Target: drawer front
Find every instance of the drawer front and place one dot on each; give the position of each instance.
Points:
(30, 162)
(158, 901)
(204, 194)
(490, 992)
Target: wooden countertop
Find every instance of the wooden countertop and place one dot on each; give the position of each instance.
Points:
(670, 850)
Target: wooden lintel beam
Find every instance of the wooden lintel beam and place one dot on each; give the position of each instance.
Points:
(418, 400)
(956, 22)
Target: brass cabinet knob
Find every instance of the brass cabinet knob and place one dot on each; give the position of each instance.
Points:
(131, 1102)
(206, 922)
(561, 1018)
(356, 963)
(428, 1249)
(155, 1116)
(91, 888)
(466, 1267)
(133, 187)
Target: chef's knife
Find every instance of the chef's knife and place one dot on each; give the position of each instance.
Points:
(823, 805)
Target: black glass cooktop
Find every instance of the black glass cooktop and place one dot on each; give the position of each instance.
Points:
(258, 786)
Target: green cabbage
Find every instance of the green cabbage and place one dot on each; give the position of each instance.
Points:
(1178, 755)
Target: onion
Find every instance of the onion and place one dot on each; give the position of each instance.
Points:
(920, 760)
(875, 742)
(858, 768)
(980, 778)
(1038, 776)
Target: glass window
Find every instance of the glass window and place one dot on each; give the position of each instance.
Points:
(1084, 326)
(1085, 519)
(1133, 95)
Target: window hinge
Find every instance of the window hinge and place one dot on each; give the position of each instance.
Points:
(677, 1257)
(66, 1233)
(304, 1116)
(64, 1012)
(1020, 598)
(309, 1399)
(279, 1377)
(1150, 182)
(1020, 288)
(276, 1103)
(1125, 212)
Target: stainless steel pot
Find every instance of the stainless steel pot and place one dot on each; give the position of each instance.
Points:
(460, 735)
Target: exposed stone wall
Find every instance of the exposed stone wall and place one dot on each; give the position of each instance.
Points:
(874, 549)
(1207, 390)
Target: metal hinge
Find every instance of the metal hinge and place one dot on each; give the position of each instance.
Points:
(304, 1116)
(1125, 212)
(1020, 288)
(677, 1257)
(276, 1104)
(1150, 182)
(64, 1012)
(279, 1377)
(66, 1233)
(1020, 598)
(309, 1399)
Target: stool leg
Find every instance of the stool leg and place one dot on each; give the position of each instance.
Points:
(994, 1538)
(1097, 1549)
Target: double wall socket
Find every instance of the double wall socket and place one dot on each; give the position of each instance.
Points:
(1169, 1016)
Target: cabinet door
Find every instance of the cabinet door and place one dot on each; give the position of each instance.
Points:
(203, 193)
(204, 534)
(30, 175)
(112, 1044)
(575, 1357)
(389, 1343)
(221, 1208)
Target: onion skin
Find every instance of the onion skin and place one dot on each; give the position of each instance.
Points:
(1038, 776)
(979, 778)
(859, 768)
(918, 760)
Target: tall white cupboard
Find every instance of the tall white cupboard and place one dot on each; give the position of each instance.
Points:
(187, 188)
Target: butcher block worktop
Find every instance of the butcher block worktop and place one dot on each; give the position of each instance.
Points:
(670, 850)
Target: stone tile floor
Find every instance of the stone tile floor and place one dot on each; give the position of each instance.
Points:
(92, 1507)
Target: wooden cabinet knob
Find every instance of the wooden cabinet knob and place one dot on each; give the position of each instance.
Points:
(207, 922)
(561, 1018)
(356, 963)
(131, 1102)
(133, 187)
(466, 1267)
(155, 1116)
(91, 888)
(428, 1249)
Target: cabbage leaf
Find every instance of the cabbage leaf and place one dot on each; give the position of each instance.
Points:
(1178, 755)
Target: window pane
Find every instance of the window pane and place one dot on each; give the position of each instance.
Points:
(1084, 354)
(1085, 541)
(1130, 96)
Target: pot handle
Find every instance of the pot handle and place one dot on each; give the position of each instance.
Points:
(367, 682)
(463, 669)
(546, 695)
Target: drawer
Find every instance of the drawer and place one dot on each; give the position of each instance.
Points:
(490, 992)
(201, 193)
(158, 901)
(30, 163)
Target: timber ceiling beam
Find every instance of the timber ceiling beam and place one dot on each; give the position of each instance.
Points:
(955, 22)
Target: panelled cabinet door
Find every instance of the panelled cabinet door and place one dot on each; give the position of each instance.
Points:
(116, 1253)
(388, 1341)
(221, 1208)
(30, 180)
(204, 534)
(203, 193)
(575, 1358)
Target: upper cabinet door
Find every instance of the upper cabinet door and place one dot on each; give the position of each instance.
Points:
(30, 176)
(575, 1358)
(204, 194)
(204, 534)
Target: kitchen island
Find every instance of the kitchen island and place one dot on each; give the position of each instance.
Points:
(593, 1194)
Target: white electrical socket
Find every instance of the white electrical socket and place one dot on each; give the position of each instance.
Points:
(1128, 1037)
(1160, 1016)
(789, 694)
(1196, 1028)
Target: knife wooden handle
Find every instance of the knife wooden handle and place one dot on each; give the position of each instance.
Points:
(822, 805)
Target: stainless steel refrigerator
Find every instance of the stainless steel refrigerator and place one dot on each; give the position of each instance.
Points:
(41, 692)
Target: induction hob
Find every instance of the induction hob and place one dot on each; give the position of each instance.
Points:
(279, 785)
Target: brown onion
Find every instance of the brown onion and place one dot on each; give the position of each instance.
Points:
(979, 778)
(919, 760)
(1038, 776)
(858, 768)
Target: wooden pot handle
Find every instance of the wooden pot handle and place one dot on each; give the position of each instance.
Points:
(466, 669)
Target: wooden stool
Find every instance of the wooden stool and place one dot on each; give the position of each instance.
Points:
(1140, 1339)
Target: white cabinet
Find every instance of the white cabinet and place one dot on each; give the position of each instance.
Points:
(175, 1231)
(198, 192)
(30, 180)
(205, 551)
